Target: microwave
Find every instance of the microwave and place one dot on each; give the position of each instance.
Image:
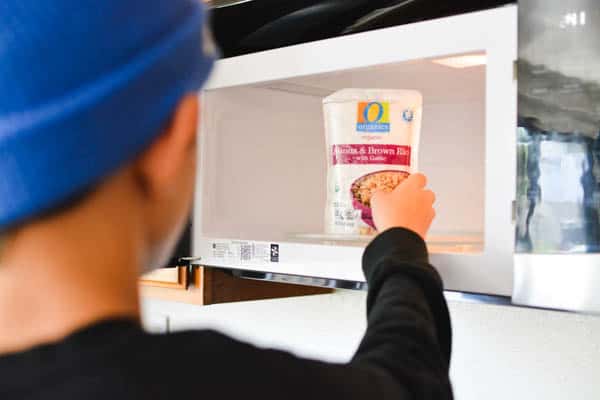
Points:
(260, 194)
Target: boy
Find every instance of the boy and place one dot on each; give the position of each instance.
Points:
(97, 159)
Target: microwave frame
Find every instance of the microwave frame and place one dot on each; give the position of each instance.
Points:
(493, 32)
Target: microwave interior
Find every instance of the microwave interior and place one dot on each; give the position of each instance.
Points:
(263, 157)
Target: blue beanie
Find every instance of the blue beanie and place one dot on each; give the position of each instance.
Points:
(85, 86)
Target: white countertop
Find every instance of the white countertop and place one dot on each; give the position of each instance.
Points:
(499, 352)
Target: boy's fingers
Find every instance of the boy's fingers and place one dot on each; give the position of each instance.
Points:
(429, 196)
(416, 180)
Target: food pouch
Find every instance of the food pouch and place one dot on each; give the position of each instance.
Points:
(372, 138)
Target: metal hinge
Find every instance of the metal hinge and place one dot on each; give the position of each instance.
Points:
(190, 260)
(513, 211)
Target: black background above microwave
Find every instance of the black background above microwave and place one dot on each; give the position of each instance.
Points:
(406, 12)
(264, 24)
(258, 25)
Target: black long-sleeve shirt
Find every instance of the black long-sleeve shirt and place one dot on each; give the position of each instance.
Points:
(404, 354)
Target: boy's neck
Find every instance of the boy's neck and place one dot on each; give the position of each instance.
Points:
(61, 274)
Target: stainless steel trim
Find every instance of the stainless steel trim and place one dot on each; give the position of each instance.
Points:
(559, 281)
(341, 284)
(478, 298)
(298, 280)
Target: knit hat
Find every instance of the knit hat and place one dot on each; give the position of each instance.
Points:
(86, 85)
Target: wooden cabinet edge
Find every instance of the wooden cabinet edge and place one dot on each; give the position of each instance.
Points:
(207, 286)
(190, 296)
(189, 289)
(181, 284)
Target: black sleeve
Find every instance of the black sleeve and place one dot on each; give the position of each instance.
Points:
(404, 354)
(409, 332)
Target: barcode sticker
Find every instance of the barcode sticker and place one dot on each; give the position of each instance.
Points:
(242, 252)
(245, 252)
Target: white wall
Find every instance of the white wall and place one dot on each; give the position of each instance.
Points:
(499, 352)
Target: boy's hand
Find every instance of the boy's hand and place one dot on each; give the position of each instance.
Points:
(408, 206)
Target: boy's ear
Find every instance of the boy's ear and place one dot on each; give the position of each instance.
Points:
(158, 167)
